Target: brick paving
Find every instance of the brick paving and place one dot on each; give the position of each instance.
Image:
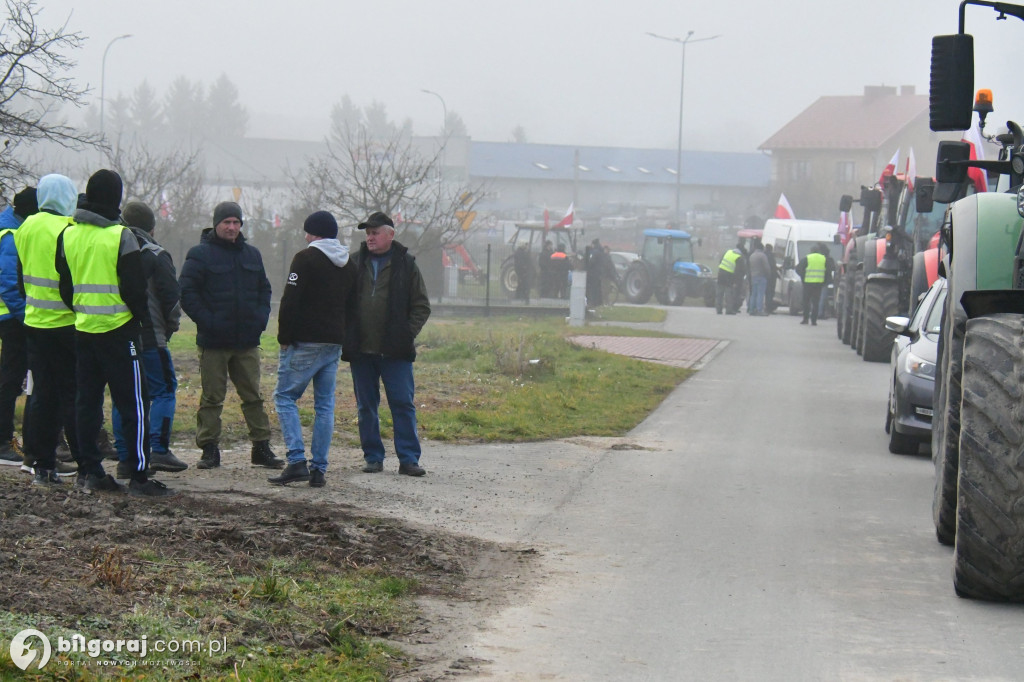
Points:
(670, 351)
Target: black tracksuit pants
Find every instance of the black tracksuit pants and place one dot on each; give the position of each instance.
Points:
(112, 359)
(13, 366)
(51, 359)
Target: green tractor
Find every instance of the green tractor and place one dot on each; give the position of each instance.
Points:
(978, 429)
(666, 269)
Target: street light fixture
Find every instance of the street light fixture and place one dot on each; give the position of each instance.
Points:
(682, 79)
(103, 78)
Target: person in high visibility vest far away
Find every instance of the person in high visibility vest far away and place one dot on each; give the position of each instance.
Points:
(814, 273)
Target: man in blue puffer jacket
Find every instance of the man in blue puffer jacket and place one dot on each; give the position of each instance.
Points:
(14, 356)
(225, 290)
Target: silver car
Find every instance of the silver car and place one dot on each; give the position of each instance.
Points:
(908, 420)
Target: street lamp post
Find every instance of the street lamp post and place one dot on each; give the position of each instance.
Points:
(682, 80)
(103, 78)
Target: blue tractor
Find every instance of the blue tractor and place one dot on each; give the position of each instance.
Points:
(666, 269)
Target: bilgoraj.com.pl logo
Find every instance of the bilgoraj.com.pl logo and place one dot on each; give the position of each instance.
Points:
(23, 648)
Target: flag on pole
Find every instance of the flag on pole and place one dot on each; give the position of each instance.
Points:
(890, 167)
(567, 220)
(784, 210)
(396, 217)
(911, 169)
(165, 206)
(978, 176)
(277, 219)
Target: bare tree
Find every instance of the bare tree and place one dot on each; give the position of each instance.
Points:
(361, 173)
(33, 86)
(170, 181)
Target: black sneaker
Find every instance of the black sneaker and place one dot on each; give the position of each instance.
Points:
(411, 470)
(297, 471)
(166, 461)
(316, 479)
(10, 456)
(373, 467)
(95, 483)
(150, 488)
(46, 477)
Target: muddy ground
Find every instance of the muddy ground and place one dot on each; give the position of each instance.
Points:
(54, 542)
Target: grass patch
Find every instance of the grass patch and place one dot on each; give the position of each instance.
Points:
(480, 380)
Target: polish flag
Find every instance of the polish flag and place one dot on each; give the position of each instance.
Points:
(844, 226)
(396, 217)
(977, 175)
(888, 171)
(911, 170)
(277, 219)
(784, 210)
(567, 220)
(165, 207)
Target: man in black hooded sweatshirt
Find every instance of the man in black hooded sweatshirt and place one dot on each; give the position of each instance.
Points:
(101, 278)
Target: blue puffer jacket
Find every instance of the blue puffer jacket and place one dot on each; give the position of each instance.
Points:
(225, 290)
(9, 292)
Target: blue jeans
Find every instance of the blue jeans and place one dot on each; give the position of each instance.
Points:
(163, 384)
(368, 371)
(758, 287)
(299, 364)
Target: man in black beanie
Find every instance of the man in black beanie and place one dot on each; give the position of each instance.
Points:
(101, 278)
(311, 326)
(163, 295)
(225, 290)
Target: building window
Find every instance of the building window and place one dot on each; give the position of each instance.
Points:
(845, 171)
(798, 170)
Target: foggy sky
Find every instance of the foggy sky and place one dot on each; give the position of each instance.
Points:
(569, 72)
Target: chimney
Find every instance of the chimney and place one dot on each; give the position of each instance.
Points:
(874, 91)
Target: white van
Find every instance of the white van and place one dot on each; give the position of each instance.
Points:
(791, 241)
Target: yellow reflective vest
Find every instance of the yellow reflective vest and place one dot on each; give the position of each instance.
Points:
(91, 253)
(815, 273)
(729, 260)
(36, 242)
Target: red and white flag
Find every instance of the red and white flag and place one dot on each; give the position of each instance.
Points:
(784, 210)
(978, 176)
(844, 226)
(911, 169)
(277, 219)
(165, 207)
(567, 220)
(888, 171)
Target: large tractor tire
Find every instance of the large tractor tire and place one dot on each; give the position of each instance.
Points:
(847, 312)
(989, 551)
(675, 293)
(637, 283)
(840, 307)
(881, 299)
(509, 279)
(858, 310)
(946, 420)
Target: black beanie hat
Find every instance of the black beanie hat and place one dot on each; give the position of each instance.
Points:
(25, 203)
(226, 209)
(376, 220)
(321, 224)
(104, 192)
(138, 214)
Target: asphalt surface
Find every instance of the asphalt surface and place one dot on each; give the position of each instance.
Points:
(754, 527)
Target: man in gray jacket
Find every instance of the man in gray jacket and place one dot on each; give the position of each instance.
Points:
(164, 316)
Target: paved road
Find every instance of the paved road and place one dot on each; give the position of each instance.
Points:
(765, 533)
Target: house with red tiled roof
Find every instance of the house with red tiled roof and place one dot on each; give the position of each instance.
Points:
(840, 143)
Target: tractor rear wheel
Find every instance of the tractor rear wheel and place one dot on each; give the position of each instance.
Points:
(638, 286)
(881, 299)
(988, 554)
(946, 421)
